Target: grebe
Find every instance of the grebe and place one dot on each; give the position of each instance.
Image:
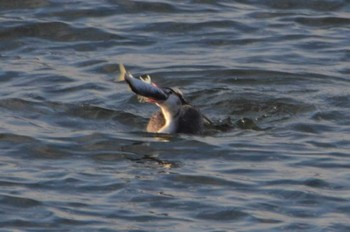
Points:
(176, 115)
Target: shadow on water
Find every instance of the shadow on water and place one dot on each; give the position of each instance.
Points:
(160, 162)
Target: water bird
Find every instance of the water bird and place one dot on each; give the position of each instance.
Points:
(176, 115)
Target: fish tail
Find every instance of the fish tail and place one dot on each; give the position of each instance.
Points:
(122, 73)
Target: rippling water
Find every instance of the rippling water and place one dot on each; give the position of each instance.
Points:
(74, 154)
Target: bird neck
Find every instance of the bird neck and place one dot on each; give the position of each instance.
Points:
(171, 121)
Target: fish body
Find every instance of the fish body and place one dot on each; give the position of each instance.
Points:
(142, 87)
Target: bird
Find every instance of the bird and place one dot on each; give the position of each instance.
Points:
(175, 115)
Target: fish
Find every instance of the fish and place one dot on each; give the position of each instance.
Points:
(143, 86)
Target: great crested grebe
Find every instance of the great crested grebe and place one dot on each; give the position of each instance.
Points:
(176, 115)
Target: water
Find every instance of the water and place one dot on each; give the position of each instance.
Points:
(74, 153)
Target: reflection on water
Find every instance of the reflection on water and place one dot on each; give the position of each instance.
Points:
(271, 75)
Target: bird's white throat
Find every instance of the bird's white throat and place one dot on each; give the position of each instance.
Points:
(171, 121)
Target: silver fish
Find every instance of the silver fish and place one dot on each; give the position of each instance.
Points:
(143, 86)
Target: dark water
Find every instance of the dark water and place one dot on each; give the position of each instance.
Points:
(74, 154)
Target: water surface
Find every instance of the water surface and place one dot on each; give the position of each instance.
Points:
(74, 152)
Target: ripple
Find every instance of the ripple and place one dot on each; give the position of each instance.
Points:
(19, 201)
(18, 4)
(223, 215)
(271, 74)
(55, 31)
(323, 21)
(299, 4)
